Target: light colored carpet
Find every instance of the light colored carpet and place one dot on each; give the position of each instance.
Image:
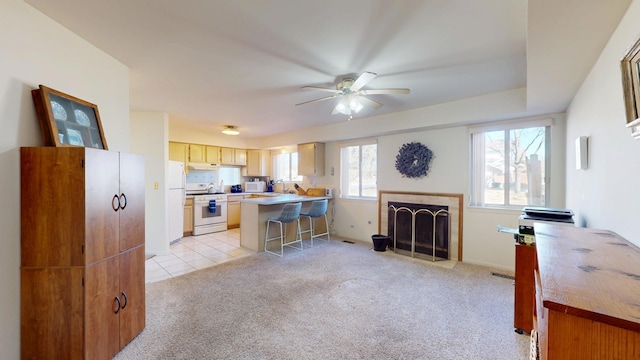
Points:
(333, 301)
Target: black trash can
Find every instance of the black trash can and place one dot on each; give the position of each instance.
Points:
(380, 242)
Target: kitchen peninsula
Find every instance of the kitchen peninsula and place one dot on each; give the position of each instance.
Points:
(254, 213)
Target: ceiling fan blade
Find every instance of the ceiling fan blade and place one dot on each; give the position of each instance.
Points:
(318, 88)
(366, 101)
(311, 101)
(385, 91)
(363, 80)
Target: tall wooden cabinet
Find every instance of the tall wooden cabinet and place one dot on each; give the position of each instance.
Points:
(82, 252)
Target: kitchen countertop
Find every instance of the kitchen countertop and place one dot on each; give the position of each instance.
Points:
(254, 213)
(255, 193)
(282, 199)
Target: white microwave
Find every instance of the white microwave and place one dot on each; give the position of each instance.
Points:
(254, 186)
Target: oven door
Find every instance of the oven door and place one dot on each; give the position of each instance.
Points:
(202, 215)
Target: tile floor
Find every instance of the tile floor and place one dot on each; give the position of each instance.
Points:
(193, 253)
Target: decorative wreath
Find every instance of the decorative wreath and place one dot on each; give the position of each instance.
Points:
(413, 160)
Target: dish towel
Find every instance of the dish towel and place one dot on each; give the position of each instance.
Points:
(212, 206)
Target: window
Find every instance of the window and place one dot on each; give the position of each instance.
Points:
(286, 167)
(359, 171)
(229, 175)
(509, 165)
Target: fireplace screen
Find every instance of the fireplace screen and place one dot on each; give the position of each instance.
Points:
(419, 229)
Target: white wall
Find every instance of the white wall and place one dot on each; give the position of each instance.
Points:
(449, 173)
(35, 50)
(605, 194)
(149, 137)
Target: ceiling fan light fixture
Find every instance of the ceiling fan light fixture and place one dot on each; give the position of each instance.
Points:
(355, 105)
(343, 108)
(230, 130)
(351, 96)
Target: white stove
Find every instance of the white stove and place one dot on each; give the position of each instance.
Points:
(209, 208)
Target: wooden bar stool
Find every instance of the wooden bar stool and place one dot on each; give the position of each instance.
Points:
(290, 213)
(318, 209)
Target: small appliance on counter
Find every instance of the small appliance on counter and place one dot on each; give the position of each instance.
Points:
(236, 188)
(270, 185)
(254, 186)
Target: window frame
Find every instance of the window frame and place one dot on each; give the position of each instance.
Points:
(276, 164)
(344, 170)
(475, 185)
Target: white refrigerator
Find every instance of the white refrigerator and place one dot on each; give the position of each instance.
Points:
(177, 197)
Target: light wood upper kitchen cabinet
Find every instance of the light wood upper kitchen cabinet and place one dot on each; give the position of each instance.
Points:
(311, 159)
(258, 163)
(231, 156)
(213, 154)
(187, 228)
(82, 252)
(197, 153)
(179, 152)
(227, 156)
(240, 157)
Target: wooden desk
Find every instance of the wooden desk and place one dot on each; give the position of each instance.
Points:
(587, 294)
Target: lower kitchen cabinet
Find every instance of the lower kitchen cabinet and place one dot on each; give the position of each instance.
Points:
(233, 211)
(187, 228)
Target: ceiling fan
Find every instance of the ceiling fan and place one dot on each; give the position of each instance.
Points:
(352, 96)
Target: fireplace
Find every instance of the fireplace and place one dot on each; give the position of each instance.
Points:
(451, 203)
(419, 228)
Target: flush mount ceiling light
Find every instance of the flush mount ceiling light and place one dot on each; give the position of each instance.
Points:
(230, 130)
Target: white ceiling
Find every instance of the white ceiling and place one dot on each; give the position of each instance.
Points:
(243, 62)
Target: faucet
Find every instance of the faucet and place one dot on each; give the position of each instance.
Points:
(284, 189)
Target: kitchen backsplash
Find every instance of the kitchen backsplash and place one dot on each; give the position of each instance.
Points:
(202, 176)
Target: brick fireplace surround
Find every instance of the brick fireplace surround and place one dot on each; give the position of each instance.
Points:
(453, 201)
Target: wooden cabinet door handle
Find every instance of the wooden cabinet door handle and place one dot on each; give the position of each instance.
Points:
(115, 202)
(123, 200)
(126, 300)
(117, 310)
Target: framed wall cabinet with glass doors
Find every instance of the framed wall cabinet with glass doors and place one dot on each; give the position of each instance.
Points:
(630, 67)
(68, 121)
